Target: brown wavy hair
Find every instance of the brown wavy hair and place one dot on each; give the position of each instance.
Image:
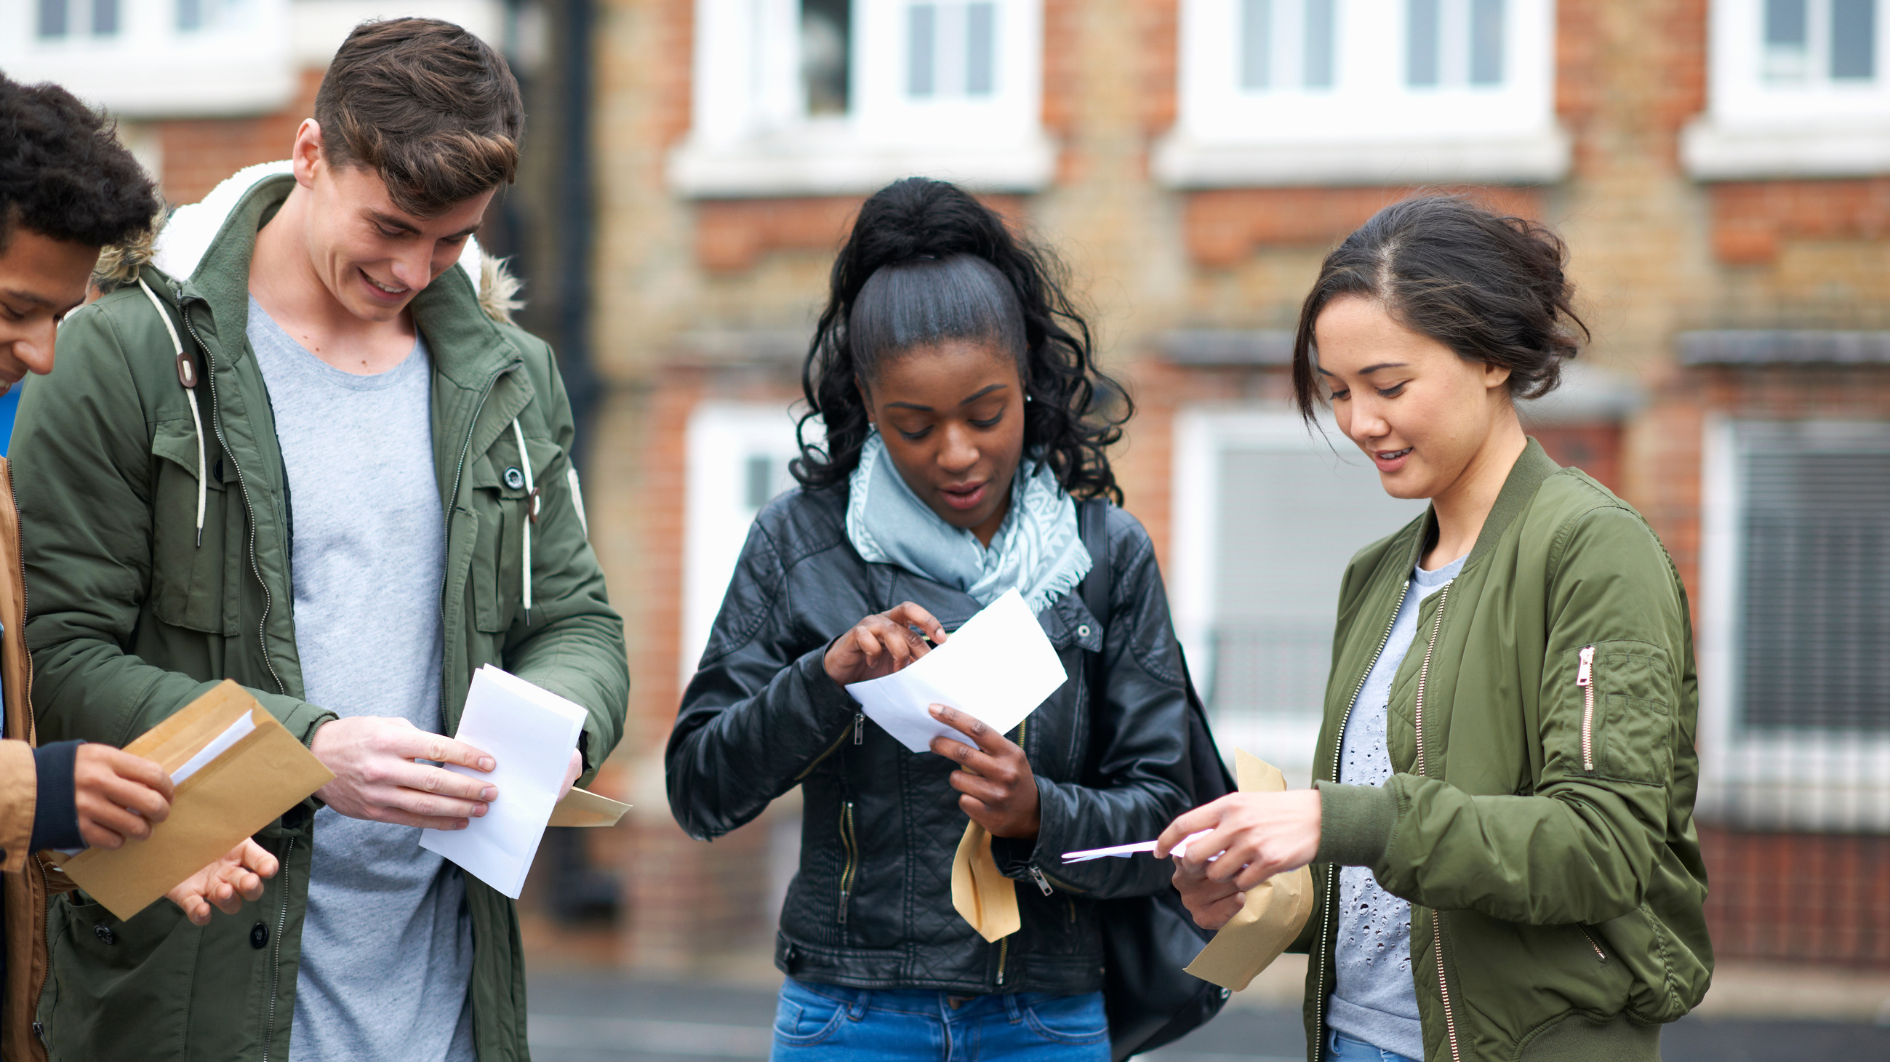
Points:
(428, 106)
(1489, 286)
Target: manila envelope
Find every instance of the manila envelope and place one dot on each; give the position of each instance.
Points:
(581, 807)
(1275, 912)
(242, 790)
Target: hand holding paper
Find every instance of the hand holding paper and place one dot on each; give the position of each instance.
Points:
(376, 777)
(236, 876)
(118, 796)
(998, 667)
(532, 732)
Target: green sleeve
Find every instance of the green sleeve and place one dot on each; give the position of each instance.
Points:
(1583, 846)
(574, 644)
(81, 456)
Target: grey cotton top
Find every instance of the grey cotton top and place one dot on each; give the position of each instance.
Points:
(387, 942)
(1374, 998)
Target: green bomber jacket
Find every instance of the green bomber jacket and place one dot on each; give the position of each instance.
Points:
(1539, 819)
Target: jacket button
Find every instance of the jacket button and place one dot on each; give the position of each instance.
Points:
(1083, 631)
(104, 933)
(514, 479)
(259, 936)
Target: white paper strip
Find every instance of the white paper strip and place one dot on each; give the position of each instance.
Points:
(1123, 851)
(232, 734)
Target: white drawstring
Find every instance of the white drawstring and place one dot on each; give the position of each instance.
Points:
(531, 514)
(187, 375)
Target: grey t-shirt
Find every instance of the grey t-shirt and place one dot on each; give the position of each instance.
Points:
(387, 943)
(1374, 998)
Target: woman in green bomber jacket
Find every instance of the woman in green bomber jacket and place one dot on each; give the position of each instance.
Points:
(1502, 815)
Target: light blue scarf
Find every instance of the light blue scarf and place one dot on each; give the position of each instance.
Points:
(1037, 548)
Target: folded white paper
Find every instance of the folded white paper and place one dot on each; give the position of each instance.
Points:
(234, 733)
(530, 732)
(1123, 851)
(997, 668)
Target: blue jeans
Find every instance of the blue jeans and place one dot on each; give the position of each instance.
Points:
(1346, 1049)
(820, 1022)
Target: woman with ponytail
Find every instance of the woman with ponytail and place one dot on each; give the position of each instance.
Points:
(961, 421)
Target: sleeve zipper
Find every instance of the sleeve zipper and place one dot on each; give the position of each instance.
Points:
(1585, 678)
(1043, 883)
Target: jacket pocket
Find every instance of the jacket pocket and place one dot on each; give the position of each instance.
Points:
(504, 504)
(187, 576)
(1627, 715)
(122, 988)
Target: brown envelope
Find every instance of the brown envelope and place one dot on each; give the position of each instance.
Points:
(1275, 911)
(581, 807)
(247, 786)
(983, 896)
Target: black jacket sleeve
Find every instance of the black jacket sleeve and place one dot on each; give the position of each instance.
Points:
(56, 813)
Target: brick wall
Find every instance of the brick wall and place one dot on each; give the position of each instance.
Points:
(198, 153)
(1798, 897)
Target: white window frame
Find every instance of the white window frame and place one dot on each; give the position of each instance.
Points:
(1772, 779)
(237, 63)
(1202, 433)
(720, 439)
(1370, 127)
(749, 136)
(1757, 129)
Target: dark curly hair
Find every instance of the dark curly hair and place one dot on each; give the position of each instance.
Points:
(63, 173)
(944, 266)
(1489, 286)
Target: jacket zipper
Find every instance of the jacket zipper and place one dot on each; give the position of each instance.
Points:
(851, 844)
(32, 736)
(1599, 954)
(1004, 954)
(1332, 871)
(822, 758)
(216, 422)
(275, 954)
(452, 502)
(1043, 883)
(1437, 919)
(1585, 678)
(859, 727)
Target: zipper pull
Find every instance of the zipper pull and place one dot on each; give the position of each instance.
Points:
(1585, 674)
(1042, 882)
(859, 727)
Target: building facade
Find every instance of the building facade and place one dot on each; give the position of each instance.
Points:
(1720, 170)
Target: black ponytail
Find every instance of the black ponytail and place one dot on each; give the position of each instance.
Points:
(934, 243)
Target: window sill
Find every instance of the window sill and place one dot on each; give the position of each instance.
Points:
(814, 166)
(1718, 152)
(1523, 158)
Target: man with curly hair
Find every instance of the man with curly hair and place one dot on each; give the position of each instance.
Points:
(67, 189)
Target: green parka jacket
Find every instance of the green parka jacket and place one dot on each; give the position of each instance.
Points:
(1540, 817)
(130, 618)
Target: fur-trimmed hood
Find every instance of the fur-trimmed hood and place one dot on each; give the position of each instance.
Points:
(177, 243)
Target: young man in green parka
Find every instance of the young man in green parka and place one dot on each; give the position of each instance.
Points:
(302, 446)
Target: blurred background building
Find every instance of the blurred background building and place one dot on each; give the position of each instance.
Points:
(1721, 171)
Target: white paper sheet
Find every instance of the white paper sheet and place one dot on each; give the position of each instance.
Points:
(1123, 851)
(232, 734)
(530, 732)
(997, 668)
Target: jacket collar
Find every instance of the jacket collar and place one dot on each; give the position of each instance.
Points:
(1532, 468)
(466, 346)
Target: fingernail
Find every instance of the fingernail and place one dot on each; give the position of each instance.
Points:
(487, 764)
(481, 809)
(488, 793)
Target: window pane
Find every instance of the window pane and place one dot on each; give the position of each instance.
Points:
(1256, 44)
(1785, 22)
(52, 18)
(1486, 42)
(1320, 16)
(922, 22)
(1420, 45)
(190, 14)
(980, 48)
(759, 482)
(826, 31)
(1815, 615)
(104, 18)
(1853, 38)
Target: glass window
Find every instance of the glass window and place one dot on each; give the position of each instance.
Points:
(826, 44)
(951, 49)
(1853, 39)
(1453, 42)
(52, 18)
(1808, 41)
(1288, 44)
(104, 18)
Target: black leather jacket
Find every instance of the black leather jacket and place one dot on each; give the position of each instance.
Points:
(871, 905)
